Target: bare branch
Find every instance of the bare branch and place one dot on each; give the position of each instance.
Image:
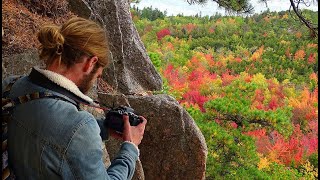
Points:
(265, 2)
(238, 119)
(244, 7)
(314, 30)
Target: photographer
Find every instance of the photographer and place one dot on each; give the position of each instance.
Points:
(50, 137)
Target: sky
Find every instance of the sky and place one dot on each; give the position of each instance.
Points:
(174, 7)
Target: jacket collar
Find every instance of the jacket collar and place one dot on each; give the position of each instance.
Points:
(57, 82)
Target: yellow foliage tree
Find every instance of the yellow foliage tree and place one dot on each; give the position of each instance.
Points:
(263, 163)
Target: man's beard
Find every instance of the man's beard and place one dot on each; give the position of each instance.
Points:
(87, 82)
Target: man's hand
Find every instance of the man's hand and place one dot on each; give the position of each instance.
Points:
(133, 134)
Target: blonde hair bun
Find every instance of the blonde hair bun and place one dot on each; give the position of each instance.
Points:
(50, 37)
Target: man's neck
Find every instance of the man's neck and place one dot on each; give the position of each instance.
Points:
(71, 73)
(57, 82)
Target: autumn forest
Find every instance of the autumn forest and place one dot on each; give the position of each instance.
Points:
(249, 82)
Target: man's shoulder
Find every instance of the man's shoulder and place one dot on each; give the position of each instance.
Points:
(10, 80)
(65, 108)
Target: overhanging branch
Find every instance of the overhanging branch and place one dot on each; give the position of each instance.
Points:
(239, 120)
(295, 8)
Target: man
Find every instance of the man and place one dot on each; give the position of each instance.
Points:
(51, 138)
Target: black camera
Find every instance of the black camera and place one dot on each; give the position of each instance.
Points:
(114, 118)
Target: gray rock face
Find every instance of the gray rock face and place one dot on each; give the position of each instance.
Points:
(20, 64)
(80, 7)
(131, 70)
(173, 147)
(113, 146)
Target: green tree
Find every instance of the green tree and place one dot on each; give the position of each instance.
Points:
(244, 6)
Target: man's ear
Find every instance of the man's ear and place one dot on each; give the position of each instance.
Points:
(89, 64)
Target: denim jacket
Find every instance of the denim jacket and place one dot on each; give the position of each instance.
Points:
(52, 139)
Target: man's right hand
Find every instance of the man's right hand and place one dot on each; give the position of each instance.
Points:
(130, 133)
(133, 134)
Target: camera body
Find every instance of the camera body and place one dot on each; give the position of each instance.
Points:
(114, 118)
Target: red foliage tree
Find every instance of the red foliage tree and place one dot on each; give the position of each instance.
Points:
(311, 58)
(174, 77)
(273, 104)
(227, 78)
(295, 149)
(162, 33)
(196, 98)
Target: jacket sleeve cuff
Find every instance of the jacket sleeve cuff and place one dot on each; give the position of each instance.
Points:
(130, 145)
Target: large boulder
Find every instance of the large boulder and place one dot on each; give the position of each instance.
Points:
(20, 64)
(173, 146)
(80, 7)
(113, 146)
(131, 70)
